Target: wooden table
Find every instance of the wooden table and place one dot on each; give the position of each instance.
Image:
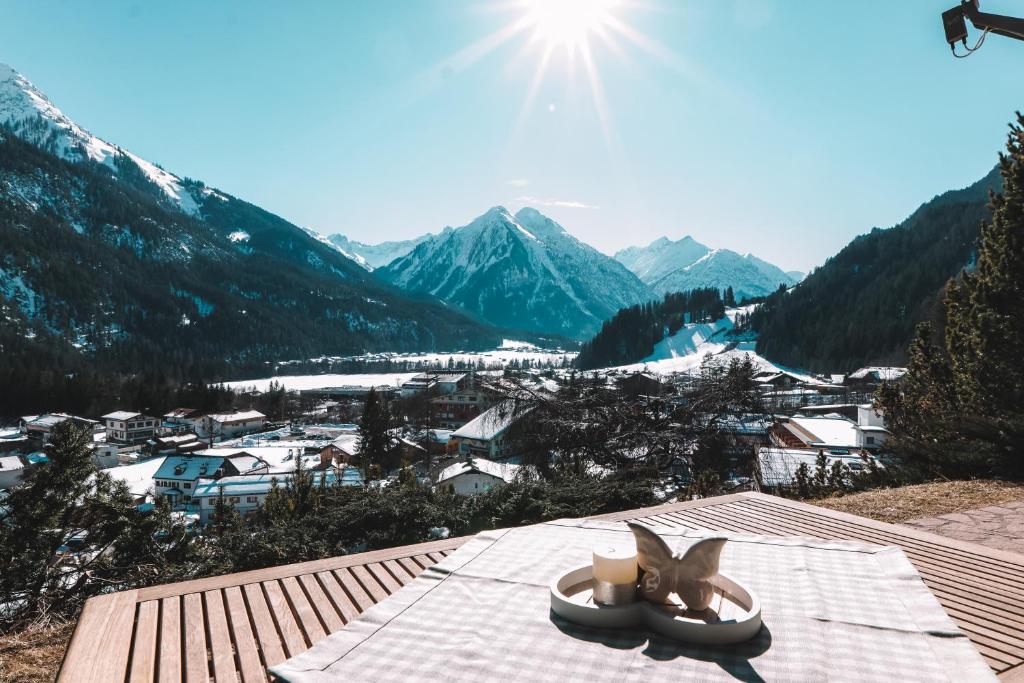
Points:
(231, 627)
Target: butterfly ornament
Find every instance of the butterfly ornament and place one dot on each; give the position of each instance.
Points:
(689, 576)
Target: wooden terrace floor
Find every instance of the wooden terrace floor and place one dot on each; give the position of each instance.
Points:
(232, 627)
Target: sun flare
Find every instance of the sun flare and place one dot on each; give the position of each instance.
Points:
(567, 23)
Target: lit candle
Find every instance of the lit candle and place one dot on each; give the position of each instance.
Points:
(615, 563)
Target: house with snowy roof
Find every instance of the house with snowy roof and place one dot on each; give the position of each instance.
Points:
(247, 493)
(874, 375)
(473, 476)
(230, 425)
(38, 428)
(484, 436)
(128, 428)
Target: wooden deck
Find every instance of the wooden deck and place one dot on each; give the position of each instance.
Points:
(230, 628)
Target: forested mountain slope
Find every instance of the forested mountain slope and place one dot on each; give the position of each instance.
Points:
(862, 305)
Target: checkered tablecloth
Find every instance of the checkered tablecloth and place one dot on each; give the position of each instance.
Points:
(832, 611)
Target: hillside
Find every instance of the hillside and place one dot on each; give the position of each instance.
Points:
(108, 261)
(862, 305)
(523, 271)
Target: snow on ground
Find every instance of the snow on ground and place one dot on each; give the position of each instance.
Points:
(304, 382)
(684, 351)
(239, 236)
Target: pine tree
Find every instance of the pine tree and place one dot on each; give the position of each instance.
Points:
(374, 439)
(985, 310)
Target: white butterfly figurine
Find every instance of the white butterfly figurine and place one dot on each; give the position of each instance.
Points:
(665, 572)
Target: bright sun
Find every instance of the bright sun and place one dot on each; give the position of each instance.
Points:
(567, 23)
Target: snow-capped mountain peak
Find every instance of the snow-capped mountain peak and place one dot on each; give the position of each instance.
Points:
(30, 115)
(521, 271)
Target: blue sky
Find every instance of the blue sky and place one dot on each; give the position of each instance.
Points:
(783, 128)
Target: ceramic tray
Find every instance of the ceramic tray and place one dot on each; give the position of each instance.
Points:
(734, 614)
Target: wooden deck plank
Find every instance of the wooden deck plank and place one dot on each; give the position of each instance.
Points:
(384, 577)
(250, 668)
(105, 626)
(410, 570)
(307, 615)
(143, 668)
(352, 586)
(369, 584)
(982, 556)
(197, 662)
(291, 635)
(221, 648)
(267, 636)
(170, 663)
(336, 592)
(271, 573)
(323, 605)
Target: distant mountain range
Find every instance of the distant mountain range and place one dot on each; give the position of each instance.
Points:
(373, 256)
(523, 271)
(107, 255)
(686, 264)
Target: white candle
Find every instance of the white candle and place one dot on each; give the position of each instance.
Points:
(615, 563)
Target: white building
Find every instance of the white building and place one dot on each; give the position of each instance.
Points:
(126, 427)
(12, 471)
(833, 431)
(230, 425)
(475, 476)
(778, 466)
(247, 493)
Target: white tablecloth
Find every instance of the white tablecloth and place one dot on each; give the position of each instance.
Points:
(832, 611)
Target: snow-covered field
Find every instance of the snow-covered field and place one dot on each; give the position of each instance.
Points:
(511, 350)
(684, 351)
(304, 382)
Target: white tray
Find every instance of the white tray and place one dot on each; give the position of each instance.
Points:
(734, 614)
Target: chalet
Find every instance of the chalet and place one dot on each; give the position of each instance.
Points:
(175, 444)
(437, 382)
(247, 493)
(12, 471)
(874, 375)
(182, 420)
(473, 476)
(639, 384)
(177, 476)
(38, 428)
(457, 408)
(833, 432)
(128, 428)
(230, 425)
(484, 437)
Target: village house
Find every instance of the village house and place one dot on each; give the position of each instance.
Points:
(248, 493)
(38, 428)
(176, 444)
(777, 467)
(457, 408)
(438, 382)
(12, 471)
(181, 421)
(638, 384)
(177, 476)
(832, 431)
(874, 375)
(484, 437)
(125, 427)
(230, 425)
(473, 476)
